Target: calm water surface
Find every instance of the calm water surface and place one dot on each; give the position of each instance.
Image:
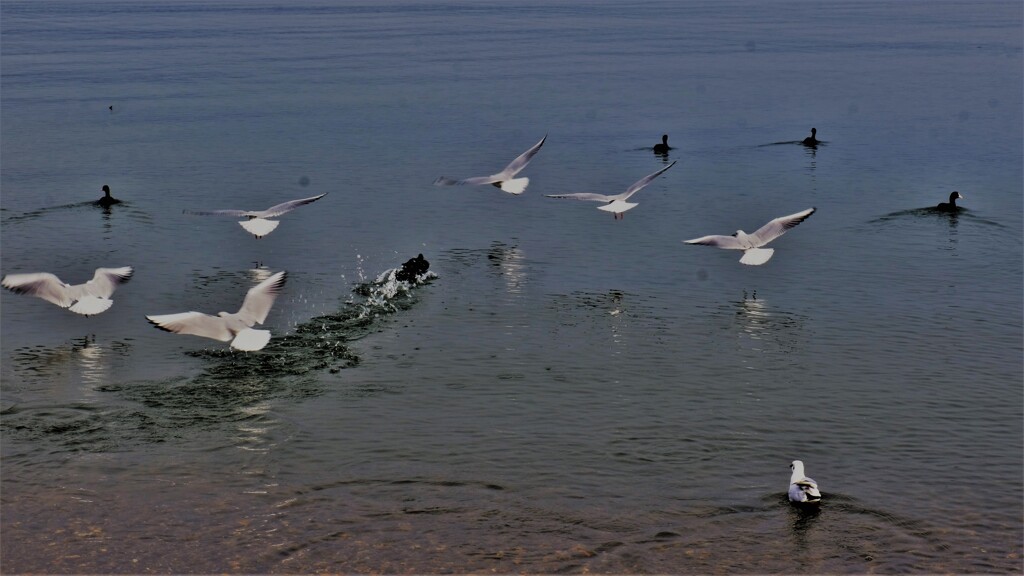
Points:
(566, 392)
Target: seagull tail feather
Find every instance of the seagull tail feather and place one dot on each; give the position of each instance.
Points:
(259, 227)
(515, 186)
(90, 305)
(756, 256)
(250, 340)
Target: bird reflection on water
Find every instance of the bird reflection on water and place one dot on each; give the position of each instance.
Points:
(511, 264)
(759, 328)
(84, 365)
(258, 273)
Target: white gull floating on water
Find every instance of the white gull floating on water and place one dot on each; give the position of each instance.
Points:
(258, 222)
(506, 178)
(751, 244)
(87, 299)
(225, 326)
(615, 203)
(802, 489)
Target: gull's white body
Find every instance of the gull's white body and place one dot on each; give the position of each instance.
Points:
(751, 244)
(225, 326)
(615, 203)
(802, 489)
(258, 222)
(86, 299)
(618, 206)
(506, 178)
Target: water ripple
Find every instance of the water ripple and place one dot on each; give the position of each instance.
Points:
(225, 393)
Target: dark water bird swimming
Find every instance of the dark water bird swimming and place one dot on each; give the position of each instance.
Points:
(107, 199)
(412, 268)
(662, 148)
(812, 139)
(951, 205)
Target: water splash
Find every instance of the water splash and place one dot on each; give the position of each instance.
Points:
(224, 395)
(321, 343)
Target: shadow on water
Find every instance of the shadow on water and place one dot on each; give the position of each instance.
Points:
(82, 417)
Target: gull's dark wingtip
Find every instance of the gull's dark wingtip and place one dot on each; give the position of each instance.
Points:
(276, 286)
(15, 289)
(157, 324)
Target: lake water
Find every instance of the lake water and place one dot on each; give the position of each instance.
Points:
(566, 392)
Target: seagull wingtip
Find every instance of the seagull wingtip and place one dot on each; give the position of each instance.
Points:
(157, 324)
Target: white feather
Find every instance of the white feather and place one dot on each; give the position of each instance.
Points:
(259, 227)
(756, 256)
(250, 340)
(91, 305)
(801, 488)
(515, 186)
(618, 206)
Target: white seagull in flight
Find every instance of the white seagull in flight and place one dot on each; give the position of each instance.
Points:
(86, 299)
(258, 223)
(225, 326)
(615, 203)
(504, 179)
(802, 489)
(751, 244)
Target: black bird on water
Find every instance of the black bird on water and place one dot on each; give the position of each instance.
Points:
(412, 268)
(662, 148)
(107, 200)
(951, 205)
(811, 140)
